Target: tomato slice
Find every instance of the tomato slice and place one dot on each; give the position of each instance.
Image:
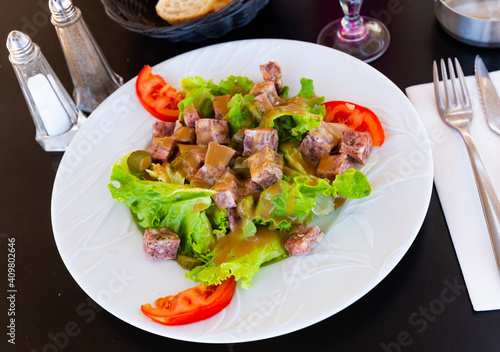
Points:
(356, 117)
(157, 96)
(192, 305)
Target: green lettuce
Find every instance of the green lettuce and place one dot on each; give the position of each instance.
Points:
(297, 116)
(197, 91)
(218, 219)
(232, 85)
(306, 88)
(188, 83)
(307, 98)
(201, 98)
(160, 204)
(291, 121)
(352, 184)
(238, 116)
(286, 203)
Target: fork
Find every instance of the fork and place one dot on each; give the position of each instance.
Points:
(455, 109)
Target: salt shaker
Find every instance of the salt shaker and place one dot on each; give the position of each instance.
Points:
(93, 78)
(53, 111)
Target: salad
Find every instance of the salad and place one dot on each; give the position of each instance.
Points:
(235, 174)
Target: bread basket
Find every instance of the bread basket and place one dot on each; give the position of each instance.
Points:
(140, 16)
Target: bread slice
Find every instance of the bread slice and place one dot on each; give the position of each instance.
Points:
(180, 11)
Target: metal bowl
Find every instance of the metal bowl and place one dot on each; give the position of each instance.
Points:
(474, 22)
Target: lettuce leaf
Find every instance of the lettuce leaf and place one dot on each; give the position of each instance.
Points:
(202, 100)
(238, 116)
(306, 88)
(352, 184)
(241, 256)
(218, 219)
(159, 204)
(190, 82)
(308, 100)
(290, 202)
(291, 121)
(232, 85)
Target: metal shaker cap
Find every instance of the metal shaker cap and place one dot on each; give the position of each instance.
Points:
(62, 10)
(21, 48)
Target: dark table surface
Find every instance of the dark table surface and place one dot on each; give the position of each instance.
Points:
(47, 297)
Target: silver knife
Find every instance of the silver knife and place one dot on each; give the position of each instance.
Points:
(489, 96)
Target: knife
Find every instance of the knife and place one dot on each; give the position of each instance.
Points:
(489, 95)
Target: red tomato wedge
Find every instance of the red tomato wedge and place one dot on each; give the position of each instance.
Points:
(157, 96)
(192, 305)
(356, 117)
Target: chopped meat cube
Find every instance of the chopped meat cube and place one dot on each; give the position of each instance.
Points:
(232, 218)
(211, 130)
(249, 188)
(269, 89)
(220, 106)
(266, 167)
(272, 72)
(224, 199)
(162, 148)
(190, 115)
(205, 177)
(188, 163)
(304, 240)
(262, 103)
(318, 142)
(258, 138)
(163, 129)
(227, 191)
(160, 244)
(219, 156)
(217, 159)
(333, 165)
(185, 134)
(358, 145)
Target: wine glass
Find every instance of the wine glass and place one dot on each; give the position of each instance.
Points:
(362, 37)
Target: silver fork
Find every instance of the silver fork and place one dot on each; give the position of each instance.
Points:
(455, 109)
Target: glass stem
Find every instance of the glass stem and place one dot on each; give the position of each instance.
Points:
(352, 22)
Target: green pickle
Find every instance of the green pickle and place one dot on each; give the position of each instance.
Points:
(187, 262)
(139, 161)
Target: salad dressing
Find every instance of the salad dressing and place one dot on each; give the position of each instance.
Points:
(292, 152)
(235, 245)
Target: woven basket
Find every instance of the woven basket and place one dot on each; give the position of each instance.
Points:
(140, 16)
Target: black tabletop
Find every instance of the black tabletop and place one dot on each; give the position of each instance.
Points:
(405, 312)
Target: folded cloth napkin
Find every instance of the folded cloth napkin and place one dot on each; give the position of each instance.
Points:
(457, 191)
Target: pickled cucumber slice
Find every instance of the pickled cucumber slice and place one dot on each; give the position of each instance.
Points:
(187, 262)
(139, 161)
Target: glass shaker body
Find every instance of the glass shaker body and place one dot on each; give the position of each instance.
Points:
(53, 111)
(92, 77)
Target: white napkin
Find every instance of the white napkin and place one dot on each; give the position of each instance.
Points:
(456, 187)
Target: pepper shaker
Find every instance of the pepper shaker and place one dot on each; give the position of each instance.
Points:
(92, 77)
(53, 111)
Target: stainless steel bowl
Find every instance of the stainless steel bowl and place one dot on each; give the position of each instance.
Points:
(475, 22)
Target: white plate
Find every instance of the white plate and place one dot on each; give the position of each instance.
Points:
(101, 245)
